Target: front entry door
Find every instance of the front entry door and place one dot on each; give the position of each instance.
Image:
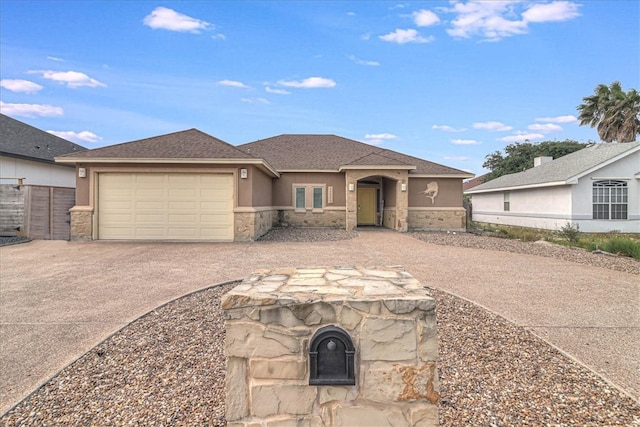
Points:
(366, 206)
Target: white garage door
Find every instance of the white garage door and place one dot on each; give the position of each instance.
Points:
(165, 206)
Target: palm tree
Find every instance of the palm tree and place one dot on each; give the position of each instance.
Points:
(616, 114)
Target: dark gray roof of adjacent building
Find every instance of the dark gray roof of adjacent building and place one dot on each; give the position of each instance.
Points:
(188, 144)
(18, 139)
(301, 152)
(562, 170)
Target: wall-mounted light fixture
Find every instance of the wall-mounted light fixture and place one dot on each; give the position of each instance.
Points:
(352, 187)
(403, 186)
(243, 173)
(82, 172)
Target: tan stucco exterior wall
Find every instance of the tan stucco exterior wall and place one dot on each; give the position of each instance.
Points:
(254, 190)
(283, 190)
(449, 192)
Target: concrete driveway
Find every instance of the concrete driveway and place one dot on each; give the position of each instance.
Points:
(59, 299)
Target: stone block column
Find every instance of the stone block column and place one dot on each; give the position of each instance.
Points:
(81, 223)
(271, 319)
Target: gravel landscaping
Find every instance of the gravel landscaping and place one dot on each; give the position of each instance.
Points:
(167, 368)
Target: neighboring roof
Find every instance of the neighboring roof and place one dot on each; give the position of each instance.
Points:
(191, 145)
(291, 152)
(20, 140)
(474, 182)
(564, 170)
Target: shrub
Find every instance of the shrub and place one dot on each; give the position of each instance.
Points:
(571, 232)
(622, 246)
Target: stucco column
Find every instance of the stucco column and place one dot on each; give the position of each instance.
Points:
(352, 200)
(402, 202)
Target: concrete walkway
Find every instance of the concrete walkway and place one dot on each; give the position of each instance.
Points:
(59, 299)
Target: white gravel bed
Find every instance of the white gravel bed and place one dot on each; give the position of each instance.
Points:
(541, 248)
(168, 367)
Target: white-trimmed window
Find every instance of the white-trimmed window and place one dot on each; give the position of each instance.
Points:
(507, 201)
(309, 197)
(300, 195)
(610, 199)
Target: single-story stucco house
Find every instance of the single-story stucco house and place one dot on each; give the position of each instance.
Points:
(596, 188)
(192, 186)
(27, 155)
(35, 192)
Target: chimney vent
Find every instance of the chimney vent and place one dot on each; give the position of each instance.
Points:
(540, 160)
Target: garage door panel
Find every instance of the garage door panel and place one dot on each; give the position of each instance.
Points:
(169, 206)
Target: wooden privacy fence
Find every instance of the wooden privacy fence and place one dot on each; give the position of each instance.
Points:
(34, 211)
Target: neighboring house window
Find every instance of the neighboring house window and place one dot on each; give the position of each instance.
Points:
(309, 196)
(507, 201)
(610, 199)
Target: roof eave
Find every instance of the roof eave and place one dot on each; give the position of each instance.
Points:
(603, 164)
(442, 175)
(519, 187)
(200, 161)
(367, 167)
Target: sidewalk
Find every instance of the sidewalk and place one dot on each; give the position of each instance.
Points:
(59, 299)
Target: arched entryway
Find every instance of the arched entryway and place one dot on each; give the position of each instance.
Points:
(377, 198)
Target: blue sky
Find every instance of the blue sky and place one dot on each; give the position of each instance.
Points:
(448, 81)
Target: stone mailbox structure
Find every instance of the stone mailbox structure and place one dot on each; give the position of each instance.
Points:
(293, 334)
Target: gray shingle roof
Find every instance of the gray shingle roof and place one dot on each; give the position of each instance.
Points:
(18, 139)
(188, 144)
(331, 152)
(563, 169)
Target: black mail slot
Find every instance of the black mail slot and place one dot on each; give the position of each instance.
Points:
(331, 358)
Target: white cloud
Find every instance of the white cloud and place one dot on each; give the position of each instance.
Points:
(558, 119)
(72, 79)
(447, 128)
(545, 128)
(30, 110)
(492, 126)
(219, 36)
(84, 136)
(363, 62)
(550, 12)
(425, 18)
(494, 20)
(255, 101)
(378, 138)
(20, 86)
(276, 91)
(233, 83)
(406, 36)
(168, 19)
(365, 36)
(522, 137)
(53, 58)
(308, 83)
(465, 142)
(457, 158)
(485, 19)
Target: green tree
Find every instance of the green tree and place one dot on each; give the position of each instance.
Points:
(613, 112)
(519, 156)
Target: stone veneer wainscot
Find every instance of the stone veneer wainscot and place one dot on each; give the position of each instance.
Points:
(271, 318)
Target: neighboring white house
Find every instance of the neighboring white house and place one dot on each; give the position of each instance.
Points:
(596, 188)
(26, 156)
